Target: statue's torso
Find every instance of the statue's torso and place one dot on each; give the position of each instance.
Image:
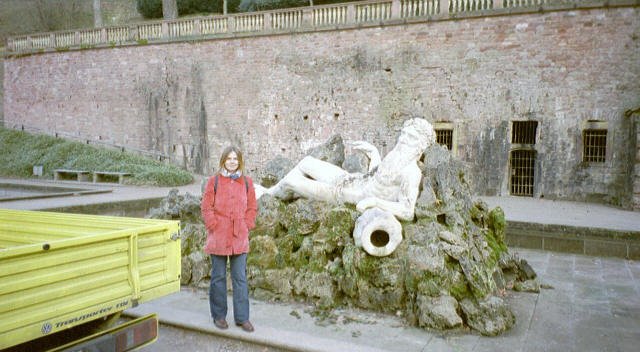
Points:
(386, 183)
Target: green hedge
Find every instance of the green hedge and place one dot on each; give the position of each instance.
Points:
(150, 8)
(20, 151)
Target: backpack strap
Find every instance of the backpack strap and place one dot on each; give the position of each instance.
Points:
(215, 184)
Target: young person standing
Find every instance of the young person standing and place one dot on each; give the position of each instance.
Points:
(229, 210)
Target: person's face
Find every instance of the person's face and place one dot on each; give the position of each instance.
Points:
(231, 164)
(410, 136)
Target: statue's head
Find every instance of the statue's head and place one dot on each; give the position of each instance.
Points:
(417, 132)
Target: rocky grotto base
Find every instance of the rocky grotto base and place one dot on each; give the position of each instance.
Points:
(449, 271)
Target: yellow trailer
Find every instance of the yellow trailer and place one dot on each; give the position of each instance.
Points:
(60, 270)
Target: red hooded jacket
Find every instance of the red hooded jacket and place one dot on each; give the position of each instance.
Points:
(228, 215)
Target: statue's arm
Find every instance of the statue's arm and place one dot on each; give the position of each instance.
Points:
(370, 151)
(404, 207)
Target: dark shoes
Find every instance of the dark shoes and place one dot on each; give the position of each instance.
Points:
(246, 326)
(221, 324)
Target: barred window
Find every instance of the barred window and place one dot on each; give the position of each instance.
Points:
(524, 132)
(522, 172)
(594, 145)
(445, 137)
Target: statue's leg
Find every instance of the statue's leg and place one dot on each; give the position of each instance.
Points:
(321, 171)
(282, 189)
(310, 178)
(310, 188)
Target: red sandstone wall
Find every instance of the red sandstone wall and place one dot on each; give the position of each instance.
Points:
(280, 95)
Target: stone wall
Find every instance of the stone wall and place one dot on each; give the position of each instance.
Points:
(635, 117)
(279, 95)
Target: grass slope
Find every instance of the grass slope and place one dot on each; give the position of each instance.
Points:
(20, 151)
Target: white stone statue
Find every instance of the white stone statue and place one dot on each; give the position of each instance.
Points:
(391, 185)
(377, 232)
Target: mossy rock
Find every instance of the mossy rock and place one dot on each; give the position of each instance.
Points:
(268, 219)
(480, 279)
(336, 229)
(263, 251)
(276, 281)
(289, 250)
(200, 268)
(384, 299)
(193, 237)
(302, 256)
(422, 233)
(315, 285)
(497, 224)
(301, 216)
(439, 312)
(490, 316)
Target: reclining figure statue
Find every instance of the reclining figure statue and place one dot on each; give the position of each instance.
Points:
(391, 185)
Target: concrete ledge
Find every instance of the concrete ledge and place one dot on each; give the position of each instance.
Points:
(573, 239)
(133, 208)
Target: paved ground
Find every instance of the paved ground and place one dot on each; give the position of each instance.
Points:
(594, 304)
(550, 212)
(116, 193)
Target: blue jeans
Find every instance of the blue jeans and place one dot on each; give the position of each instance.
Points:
(218, 287)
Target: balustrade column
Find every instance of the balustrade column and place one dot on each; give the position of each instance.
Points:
(52, 41)
(267, 21)
(396, 7)
(103, 35)
(132, 33)
(197, 27)
(76, 38)
(307, 17)
(444, 7)
(231, 24)
(165, 30)
(351, 14)
(497, 4)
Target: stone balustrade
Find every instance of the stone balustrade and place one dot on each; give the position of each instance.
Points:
(344, 15)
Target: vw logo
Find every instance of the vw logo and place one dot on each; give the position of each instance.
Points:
(46, 328)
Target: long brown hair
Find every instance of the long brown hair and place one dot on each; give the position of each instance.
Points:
(225, 154)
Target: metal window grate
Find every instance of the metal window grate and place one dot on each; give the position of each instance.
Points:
(524, 132)
(522, 172)
(595, 146)
(445, 137)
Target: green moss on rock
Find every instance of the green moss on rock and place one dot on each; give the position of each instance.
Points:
(263, 251)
